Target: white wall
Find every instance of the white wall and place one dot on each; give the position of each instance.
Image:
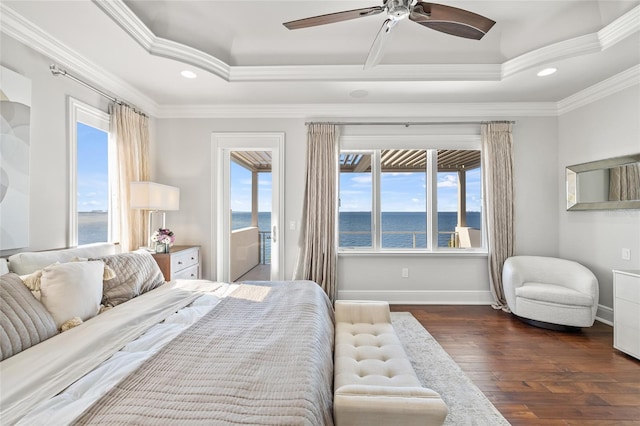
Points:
(464, 279)
(183, 151)
(49, 152)
(183, 158)
(606, 128)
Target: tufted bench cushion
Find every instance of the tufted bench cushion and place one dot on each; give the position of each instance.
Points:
(374, 382)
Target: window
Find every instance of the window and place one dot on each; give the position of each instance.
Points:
(93, 201)
(423, 199)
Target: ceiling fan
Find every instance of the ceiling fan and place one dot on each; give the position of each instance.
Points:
(446, 19)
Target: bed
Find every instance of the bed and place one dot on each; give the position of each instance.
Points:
(184, 352)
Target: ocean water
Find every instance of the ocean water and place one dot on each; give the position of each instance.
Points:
(399, 229)
(92, 227)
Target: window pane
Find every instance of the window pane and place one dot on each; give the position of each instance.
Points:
(93, 184)
(403, 198)
(355, 222)
(240, 196)
(459, 189)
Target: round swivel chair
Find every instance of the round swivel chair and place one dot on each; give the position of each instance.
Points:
(549, 292)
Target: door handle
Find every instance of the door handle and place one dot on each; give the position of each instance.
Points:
(274, 233)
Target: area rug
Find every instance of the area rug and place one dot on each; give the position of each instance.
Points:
(438, 371)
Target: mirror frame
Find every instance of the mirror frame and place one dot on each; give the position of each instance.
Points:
(571, 179)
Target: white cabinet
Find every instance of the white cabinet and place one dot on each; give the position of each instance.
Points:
(182, 262)
(626, 312)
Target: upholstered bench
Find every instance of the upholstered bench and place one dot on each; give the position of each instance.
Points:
(374, 382)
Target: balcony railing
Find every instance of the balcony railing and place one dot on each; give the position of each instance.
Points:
(445, 239)
(265, 247)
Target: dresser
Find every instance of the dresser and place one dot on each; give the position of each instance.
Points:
(182, 262)
(626, 312)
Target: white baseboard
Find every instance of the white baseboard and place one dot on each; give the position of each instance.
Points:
(605, 315)
(404, 297)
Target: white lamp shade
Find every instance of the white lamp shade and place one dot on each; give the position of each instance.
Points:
(154, 196)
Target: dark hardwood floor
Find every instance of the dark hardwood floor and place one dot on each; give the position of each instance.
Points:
(535, 376)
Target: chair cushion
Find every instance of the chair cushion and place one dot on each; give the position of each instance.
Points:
(552, 293)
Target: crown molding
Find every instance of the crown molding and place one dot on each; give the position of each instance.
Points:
(17, 27)
(427, 72)
(621, 28)
(621, 81)
(590, 43)
(618, 30)
(362, 110)
(24, 31)
(582, 45)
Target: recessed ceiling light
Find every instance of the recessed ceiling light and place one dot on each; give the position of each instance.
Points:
(547, 71)
(359, 94)
(188, 74)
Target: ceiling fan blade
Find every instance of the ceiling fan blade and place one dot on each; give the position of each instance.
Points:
(375, 53)
(333, 17)
(451, 20)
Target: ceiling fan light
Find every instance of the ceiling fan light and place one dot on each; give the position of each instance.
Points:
(188, 74)
(547, 71)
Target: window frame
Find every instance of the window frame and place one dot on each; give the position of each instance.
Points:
(80, 112)
(374, 144)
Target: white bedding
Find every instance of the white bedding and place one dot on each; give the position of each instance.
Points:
(32, 380)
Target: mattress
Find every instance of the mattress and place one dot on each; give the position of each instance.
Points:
(283, 330)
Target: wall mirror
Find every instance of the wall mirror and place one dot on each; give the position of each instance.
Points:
(605, 184)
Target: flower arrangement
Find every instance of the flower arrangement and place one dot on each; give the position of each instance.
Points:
(163, 236)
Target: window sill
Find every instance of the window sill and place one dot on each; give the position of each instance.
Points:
(417, 253)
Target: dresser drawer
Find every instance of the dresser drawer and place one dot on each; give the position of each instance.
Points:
(184, 259)
(190, 273)
(628, 288)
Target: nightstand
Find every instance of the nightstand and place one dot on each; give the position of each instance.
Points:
(182, 262)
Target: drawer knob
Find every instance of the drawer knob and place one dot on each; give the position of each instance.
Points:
(179, 262)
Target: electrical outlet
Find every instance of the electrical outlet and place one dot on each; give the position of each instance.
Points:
(405, 272)
(626, 254)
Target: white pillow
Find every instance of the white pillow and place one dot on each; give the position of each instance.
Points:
(72, 290)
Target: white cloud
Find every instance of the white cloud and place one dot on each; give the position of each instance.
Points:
(365, 179)
(448, 181)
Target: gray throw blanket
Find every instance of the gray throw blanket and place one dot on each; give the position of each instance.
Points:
(264, 355)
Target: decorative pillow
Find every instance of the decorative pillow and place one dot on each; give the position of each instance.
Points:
(135, 273)
(24, 321)
(72, 290)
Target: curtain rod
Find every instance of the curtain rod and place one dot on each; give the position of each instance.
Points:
(405, 123)
(55, 70)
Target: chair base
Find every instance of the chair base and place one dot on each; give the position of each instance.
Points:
(549, 325)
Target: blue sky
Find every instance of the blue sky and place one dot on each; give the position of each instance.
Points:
(93, 189)
(406, 192)
(241, 190)
(401, 192)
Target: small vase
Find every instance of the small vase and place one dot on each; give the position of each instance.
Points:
(162, 248)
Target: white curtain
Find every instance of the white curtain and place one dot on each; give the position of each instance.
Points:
(497, 165)
(131, 132)
(317, 258)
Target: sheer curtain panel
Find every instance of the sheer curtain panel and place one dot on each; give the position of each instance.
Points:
(497, 165)
(317, 258)
(131, 132)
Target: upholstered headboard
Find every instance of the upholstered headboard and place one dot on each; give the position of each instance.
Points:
(28, 262)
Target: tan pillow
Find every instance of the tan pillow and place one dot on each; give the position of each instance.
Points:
(72, 290)
(24, 321)
(135, 273)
